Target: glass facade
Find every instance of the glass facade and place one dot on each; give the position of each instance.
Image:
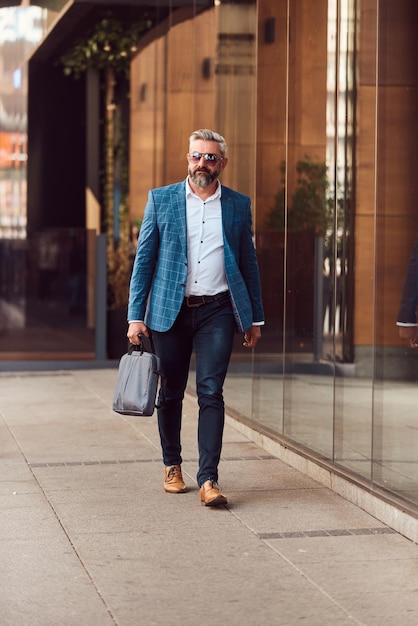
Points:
(317, 100)
(44, 312)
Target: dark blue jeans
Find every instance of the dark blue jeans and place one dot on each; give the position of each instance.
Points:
(209, 331)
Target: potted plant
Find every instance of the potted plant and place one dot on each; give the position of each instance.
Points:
(303, 229)
(310, 208)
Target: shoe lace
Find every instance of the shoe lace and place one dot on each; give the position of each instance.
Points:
(173, 472)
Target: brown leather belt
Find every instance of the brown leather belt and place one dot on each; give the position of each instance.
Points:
(192, 301)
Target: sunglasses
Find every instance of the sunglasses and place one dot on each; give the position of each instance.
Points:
(194, 157)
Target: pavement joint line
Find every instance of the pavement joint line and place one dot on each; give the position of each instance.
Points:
(275, 548)
(327, 533)
(65, 531)
(34, 374)
(128, 461)
(317, 586)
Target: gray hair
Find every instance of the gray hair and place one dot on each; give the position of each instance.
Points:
(209, 135)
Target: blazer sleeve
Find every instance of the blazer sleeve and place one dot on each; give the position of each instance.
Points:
(250, 270)
(241, 260)
(145, 262)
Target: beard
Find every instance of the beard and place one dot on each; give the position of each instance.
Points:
(202, 176)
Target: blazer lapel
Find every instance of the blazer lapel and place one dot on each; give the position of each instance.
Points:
(178, 201)
(227, 205)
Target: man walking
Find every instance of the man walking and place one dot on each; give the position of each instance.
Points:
(195, 281)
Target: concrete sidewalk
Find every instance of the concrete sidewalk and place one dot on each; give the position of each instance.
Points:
(88, 537)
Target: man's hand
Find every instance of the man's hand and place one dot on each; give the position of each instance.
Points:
(409, 335)
(134, 330)
(251, 336)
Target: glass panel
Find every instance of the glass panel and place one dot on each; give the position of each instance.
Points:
(351, 61)
(20, 31)
(44, 308)
(309, 369)
(395, 434)
(307, 237)
(236, 88)
(271, 155)
(44, 305)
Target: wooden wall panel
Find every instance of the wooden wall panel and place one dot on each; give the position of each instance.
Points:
(179, 99)
(386, 215)
(295, 128)
(147, 125)
(365, 191)
(397, 150)
(236, 90)
(393, 250)
(271, 106)
(365, 157)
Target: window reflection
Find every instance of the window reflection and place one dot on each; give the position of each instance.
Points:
(338, 251)
(43, 276)
(395, 435)
(307, 231)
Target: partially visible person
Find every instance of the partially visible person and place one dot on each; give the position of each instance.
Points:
(407, 315)
(195, 281)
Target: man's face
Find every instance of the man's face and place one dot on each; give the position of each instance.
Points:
(201, 172)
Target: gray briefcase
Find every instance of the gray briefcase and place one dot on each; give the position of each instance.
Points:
(137, 380)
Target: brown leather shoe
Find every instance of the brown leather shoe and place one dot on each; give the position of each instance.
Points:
(210, 494)
(173, 479)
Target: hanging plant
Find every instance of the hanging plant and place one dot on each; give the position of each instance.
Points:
(109, 44)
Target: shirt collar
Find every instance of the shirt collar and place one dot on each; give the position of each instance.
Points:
(214, 196)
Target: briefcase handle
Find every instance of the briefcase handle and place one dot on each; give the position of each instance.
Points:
(146, 344)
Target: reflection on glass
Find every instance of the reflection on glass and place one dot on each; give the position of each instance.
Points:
(395, 432)
(308, 378)
(353, 395)
(21, 29)
(43, 294)
(235, 111)
(42, 277)
(305, 241)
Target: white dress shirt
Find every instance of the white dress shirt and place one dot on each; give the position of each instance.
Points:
(205, 245)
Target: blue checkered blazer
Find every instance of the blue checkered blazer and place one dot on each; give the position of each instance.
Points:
(159, 274)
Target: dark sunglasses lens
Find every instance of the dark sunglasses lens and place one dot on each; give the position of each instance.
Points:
(196, 156)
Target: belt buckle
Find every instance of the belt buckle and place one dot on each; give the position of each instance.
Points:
(193, 306)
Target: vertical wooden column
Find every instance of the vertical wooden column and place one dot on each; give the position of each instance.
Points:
(386, 213)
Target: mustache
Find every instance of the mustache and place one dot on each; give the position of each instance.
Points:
(202, 170)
